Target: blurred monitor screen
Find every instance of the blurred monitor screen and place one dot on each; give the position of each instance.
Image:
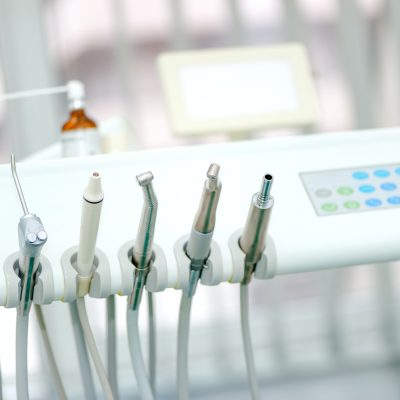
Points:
(241, 89)
(226, 90)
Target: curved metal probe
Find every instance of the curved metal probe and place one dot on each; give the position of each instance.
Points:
(143, 248)
(32, 237)
(18, 185)
(252, 241)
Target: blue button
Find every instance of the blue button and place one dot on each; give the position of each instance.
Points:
(381, 173)
(373, 202)
(388, 186)
(366, 189)
(397, 171)
(394, 200)
(361, 175)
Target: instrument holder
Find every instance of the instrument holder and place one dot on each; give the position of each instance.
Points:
(263, 270)
(212, 273)
(43, 292)
(157, 277)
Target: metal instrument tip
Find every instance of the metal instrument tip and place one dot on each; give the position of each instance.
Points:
(145, 178)
(213, 171)
(18, 185)
(265, 189)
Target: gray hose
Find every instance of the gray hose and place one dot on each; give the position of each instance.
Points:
(247, 345)
(135, 350)
(22, 357)
(112, 346)
(183, 348)
(84, 364)
(55, 373)
(94, 352)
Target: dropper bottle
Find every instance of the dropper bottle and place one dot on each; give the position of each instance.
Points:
(80, 136)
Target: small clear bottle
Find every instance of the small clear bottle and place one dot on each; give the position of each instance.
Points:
(80, 136)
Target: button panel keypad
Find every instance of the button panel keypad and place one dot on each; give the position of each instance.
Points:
(352, 190)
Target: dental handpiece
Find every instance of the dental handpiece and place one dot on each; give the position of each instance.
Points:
(143, 249)
(90, 219)
(252, 241)
(199, 242)
(31, 237)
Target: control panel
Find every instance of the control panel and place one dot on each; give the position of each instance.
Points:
(352, 190)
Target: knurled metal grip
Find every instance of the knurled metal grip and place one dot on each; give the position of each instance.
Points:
(43, 292)
(157, 278)
(212, 273)
(266, 266)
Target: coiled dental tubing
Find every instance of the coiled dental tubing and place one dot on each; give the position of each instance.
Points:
(253, 242)
(32, 237)
(90, 219)
(142, 259)
(198, 250)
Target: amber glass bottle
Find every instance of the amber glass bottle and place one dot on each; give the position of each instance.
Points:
(80, 136)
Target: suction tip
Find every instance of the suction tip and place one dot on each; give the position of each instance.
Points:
(265, 189)
(93, 192)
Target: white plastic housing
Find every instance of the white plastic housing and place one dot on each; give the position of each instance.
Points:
(303, 240)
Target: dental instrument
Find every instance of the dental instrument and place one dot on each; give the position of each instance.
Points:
(90, 219)
(198, 250)
(253, 242)
(32, 237)
(142, 259)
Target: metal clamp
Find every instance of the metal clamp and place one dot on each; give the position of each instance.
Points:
(266, 266)
(157, 278)
(212, 273)
(43, 292)
(100, 284)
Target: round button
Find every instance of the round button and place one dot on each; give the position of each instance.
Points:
(352, 204)
(388, 186)
(373, 202)
(381, 173)
(394, 200)
(367, 189)
(360, 175)
(397, 171)
(323, 193)
(31, 237)
(329, 207)
(42, 235)
(345, 190)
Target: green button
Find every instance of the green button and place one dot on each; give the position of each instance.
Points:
(330, 207)
(345, 191)
(352, 204)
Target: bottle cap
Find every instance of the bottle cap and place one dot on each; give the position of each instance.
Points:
(76, 90)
